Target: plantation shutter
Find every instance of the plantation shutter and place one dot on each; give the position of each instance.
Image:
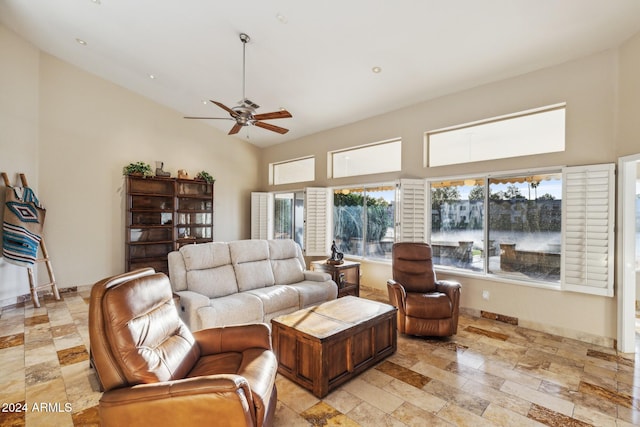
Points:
(261, 215)
(411, 211)
(587, 229)
(316, 221)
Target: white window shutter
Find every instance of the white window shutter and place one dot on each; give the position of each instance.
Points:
(261, 215)
(588, 216)
(317, 220)
(411, 211)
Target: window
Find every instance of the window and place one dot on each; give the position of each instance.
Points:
(363, 220)
(291, 171)
(300, 215)
(375, 158)
(526, 133)
(457, 223)
(289, 216)
(552, 227)
(513, 231)
(525, 226)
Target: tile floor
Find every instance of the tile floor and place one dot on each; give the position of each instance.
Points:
(490, 373)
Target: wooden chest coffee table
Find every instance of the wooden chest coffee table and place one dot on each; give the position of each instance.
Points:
(321, 347)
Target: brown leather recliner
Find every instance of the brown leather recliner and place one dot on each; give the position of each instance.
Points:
(426, 306)
(155, 372)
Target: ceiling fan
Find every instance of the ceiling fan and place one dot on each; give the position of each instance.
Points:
(245, 112)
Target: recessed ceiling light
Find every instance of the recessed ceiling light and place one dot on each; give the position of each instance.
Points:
(205, 102)
(82, 42)
(152, 76)
(283, 19)
(376, 70)
(96, 1)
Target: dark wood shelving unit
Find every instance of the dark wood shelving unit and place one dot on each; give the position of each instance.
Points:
(164, 214)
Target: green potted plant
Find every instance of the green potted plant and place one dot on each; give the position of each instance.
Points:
(205, 176)
(138, 168)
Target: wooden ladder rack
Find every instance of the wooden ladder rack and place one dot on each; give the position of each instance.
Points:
(33, 287)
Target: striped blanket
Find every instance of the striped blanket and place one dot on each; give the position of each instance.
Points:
(22, 226)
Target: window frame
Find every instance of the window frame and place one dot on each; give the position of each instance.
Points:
(393, 185)
(428, 143)
(273, 166)
(331, 163)
(485, 177)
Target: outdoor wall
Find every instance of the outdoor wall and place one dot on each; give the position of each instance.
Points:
(589, 88)
(83, 130)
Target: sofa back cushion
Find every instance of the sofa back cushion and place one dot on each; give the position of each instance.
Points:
(209, 270)
(250, 259)
(285, 255)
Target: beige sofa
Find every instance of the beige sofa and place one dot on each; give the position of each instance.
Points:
(245, 281)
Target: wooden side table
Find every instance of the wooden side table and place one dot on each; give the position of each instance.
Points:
(346, 276)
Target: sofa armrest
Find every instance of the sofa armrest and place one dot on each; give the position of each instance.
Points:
(188, 306)
(450, 288)
(189, 401)
(236, 338)
(316, 276)
(397, 295)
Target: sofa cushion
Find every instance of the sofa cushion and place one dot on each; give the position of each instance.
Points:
(213, 282)
(311, 292)
(285, 263)
(276, 298)
(282, 249)
(287, 271)
(257, 365)
(250, 259)
(209, 270)
(434, 305)
(206, 255)
(242, 251)
(231, 310)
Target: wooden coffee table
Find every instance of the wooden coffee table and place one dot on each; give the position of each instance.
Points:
(321, 347)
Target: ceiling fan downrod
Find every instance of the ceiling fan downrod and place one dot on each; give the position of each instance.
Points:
(244, 38)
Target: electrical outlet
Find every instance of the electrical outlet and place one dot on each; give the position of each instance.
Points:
(485, 295)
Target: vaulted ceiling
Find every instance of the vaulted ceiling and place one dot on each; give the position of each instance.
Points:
(315, 59)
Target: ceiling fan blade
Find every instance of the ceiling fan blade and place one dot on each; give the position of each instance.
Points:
(235, 129)
(271, 127)
(224, 107)
(282, 114)
(210, 118)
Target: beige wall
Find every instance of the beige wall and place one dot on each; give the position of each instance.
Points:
(629, 98)
(83, 130)
(588, 86)
(18, 133)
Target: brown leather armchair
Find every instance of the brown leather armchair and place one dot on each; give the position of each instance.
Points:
(426, 306)
(155, 372)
